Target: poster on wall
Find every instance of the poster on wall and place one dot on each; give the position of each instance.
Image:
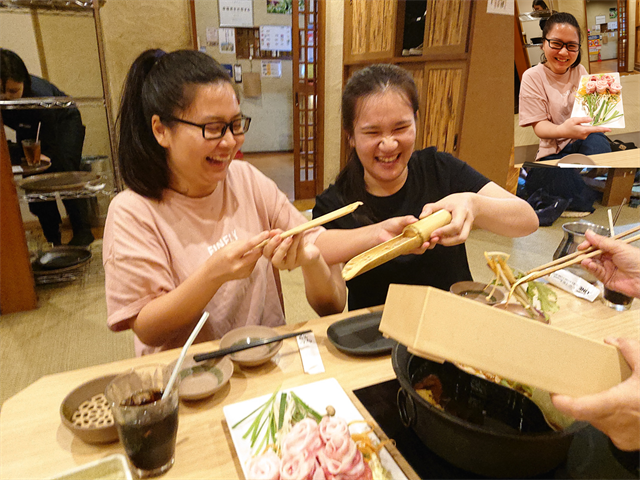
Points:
(212, 36)
(276, 38)
(613, 12)
(600, 19)
(236, 13)
(594, 43)
(227, 40)
(271, 68)
(501, 7)
(612, 26)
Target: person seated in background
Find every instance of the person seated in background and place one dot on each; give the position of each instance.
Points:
(187, 235)
(546, 102)
(397, 183)
(61, 135)
(616, 411)
(539, 6)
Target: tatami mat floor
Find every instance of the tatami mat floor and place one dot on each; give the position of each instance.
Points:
(68, 329)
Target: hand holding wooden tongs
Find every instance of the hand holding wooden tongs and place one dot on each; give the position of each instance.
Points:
(569, 260)
(412, 237)
(316, 222)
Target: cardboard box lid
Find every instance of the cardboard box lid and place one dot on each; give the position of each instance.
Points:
(436, 324)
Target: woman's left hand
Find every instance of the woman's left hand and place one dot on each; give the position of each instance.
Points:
(462, 209)
(291, 252)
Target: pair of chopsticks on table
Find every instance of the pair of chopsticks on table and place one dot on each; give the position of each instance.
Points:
(571, 259)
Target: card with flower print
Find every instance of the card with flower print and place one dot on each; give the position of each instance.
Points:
(599, 96)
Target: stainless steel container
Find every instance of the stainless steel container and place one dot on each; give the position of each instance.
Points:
(574, 236)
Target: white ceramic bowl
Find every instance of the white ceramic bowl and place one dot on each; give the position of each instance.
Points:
(200, 380)
(253, 356)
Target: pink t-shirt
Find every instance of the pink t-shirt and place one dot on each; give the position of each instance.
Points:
(545, 95)
(150, 247)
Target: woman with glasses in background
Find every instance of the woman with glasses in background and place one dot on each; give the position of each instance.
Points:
(186, 236)
(546, 102)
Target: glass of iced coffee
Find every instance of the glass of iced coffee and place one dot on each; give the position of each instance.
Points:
(147, 424)
(31, 150)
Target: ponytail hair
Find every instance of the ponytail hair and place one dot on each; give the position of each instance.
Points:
(369, 81)
(162, 84)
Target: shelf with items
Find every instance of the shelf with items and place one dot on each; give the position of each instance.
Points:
(535, 16)
(16, 281)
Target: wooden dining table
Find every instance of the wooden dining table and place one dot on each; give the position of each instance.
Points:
(622, 165)
(35, 444)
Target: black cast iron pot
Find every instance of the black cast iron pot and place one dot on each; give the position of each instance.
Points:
(495, 431)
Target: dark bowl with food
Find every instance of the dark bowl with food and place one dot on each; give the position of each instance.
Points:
(475, 424)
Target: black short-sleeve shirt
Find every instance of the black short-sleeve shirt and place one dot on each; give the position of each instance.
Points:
(432, 176)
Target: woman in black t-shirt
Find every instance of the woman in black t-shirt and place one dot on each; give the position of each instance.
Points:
(399, 185)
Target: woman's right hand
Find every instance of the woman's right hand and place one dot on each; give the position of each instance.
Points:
(392, 227)
(573, 128)
(618, 267)
(238, 259)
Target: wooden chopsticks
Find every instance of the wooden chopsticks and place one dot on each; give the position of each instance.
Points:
(329, 217)
(569, 260)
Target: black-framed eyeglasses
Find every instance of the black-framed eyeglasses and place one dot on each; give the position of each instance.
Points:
(215, 130)
(557, 45)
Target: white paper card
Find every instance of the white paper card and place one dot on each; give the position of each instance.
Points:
(227, 40)
(271, 68)
(236, 13)
(572, 283)
(501, 7)
(275, 37)
(310, 354)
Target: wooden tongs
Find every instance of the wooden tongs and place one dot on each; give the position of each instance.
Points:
(412, 237)
(316, 222)
(568, 260)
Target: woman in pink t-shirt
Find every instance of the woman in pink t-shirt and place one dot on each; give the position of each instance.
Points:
(185, 237)
(546, 102)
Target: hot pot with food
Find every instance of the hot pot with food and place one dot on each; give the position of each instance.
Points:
(475, 424)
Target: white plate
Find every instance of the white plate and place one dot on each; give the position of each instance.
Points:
(579, 111)
(317, 395)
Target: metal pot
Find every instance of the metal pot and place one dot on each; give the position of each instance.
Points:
(496, 432)
(574, 236)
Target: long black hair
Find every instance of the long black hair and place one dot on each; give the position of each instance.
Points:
(559, 18)
(364, 83)
(162, 84)
(539, 3)
(13, 68)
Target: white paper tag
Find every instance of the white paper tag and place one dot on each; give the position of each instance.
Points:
(310, 354)
(572, 283)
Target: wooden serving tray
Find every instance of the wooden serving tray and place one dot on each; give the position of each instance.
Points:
(442, 326)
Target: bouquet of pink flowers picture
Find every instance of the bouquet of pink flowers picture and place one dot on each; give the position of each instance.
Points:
(599, 97)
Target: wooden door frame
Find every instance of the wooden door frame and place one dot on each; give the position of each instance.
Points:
(318, 117)
(636, 50)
